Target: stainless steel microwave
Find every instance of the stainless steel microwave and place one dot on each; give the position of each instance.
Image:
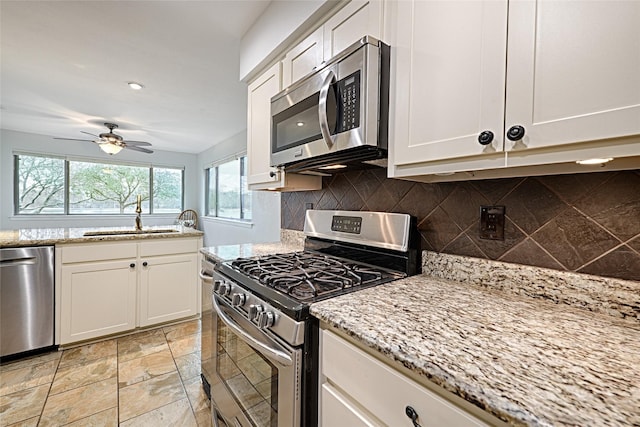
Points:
(336, 115)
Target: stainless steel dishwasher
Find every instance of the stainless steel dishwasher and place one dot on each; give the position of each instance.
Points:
(26, 299)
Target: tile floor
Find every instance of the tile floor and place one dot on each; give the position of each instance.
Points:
(151, 378)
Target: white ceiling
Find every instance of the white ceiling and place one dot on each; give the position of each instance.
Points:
(65, 67)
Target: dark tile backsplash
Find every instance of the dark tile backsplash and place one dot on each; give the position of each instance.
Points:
(587, 223)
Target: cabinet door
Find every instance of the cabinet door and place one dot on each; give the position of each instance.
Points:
(302, 58)
(370, 387)
(260, 175)
(448, 79)
(98, 298)
(338, 410)
(357, 19)
(573, 71)
(168, 288)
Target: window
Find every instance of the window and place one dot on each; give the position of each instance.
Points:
(48, 185)
(227, 195)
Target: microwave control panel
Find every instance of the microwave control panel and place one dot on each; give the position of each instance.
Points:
(349, 96)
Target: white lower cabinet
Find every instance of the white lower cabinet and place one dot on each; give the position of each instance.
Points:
(108, 288)
(357, 389)
(98, 298)
(164, 293)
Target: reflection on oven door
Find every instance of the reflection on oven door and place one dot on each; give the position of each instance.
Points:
(254, 386)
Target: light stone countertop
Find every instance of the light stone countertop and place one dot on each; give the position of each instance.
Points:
(290, 241)
(531, 346)
(528, 361)
(52, 236)
(245, 250)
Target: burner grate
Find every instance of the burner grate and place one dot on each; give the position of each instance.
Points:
(307, 276)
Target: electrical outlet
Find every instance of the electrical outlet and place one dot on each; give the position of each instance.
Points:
(492, 222)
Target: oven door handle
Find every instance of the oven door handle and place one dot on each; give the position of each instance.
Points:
(205, 277)
(272, 353)
(322, 108)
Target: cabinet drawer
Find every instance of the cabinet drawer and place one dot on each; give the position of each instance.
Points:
(98, 252)
(384, 392)
(168, 247)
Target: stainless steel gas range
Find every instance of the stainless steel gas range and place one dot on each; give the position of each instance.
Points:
(260, 345)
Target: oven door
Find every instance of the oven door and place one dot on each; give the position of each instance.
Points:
(256, 381)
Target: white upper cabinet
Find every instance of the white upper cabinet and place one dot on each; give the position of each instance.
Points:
(260, 175)
(449, 79)
(355, 20)
(569, 82)
(303, 58)
(573, 71)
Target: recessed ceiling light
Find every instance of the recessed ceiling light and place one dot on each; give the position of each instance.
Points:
(135, 86)
(300, 123)
(594, 161)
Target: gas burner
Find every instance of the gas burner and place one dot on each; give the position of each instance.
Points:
(309, 276)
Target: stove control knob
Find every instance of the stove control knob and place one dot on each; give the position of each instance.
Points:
(224, 289)
(238, 299)
(254, 311)
(216, 285)
(266, 319)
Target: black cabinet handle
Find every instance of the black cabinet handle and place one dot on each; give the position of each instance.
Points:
(485, 137)
(272, 174)
(411, 413)
(144, 264)
(132, 265)
(515, 133)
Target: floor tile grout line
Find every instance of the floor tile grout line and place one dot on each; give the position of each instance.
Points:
(46, 399)
(184, 389)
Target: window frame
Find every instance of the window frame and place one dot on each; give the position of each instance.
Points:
(66, 182)
(213, 211)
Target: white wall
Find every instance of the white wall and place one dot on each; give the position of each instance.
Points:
(12, 142)
(265, 225)
(278, 27)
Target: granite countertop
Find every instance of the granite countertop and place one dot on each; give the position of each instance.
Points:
(290, 241)
(246, 250)
(52, 236)
(528, 361)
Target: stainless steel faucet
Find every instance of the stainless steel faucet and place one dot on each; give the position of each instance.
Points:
(138, 212)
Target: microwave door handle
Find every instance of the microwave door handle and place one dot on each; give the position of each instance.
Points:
(322, 108)
(272, 353)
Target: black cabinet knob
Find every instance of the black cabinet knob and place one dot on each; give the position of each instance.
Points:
(132, 265)
(515, 133)
(144, 264)
(485, 137)
(272, 174)
(411, 413)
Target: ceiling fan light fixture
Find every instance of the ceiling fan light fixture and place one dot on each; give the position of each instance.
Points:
(110, 148)
(135, 85)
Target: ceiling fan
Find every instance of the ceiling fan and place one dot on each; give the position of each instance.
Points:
(112, 143)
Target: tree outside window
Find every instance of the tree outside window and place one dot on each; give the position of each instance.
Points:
(40, 185)
(109, 189)
(227, 193)
(94, 188)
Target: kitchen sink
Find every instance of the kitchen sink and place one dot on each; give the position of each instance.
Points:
(125, 232)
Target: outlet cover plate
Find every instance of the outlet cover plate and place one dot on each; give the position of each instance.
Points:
(492, 222)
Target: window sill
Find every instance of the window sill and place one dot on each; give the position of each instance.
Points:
(63, 217)
(228, 221)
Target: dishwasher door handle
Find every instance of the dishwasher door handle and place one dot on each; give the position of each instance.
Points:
(17, 261)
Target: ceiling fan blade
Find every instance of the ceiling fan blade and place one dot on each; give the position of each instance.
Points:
(138, 143)
(74, 139)
(89, 134)
(142, 150)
